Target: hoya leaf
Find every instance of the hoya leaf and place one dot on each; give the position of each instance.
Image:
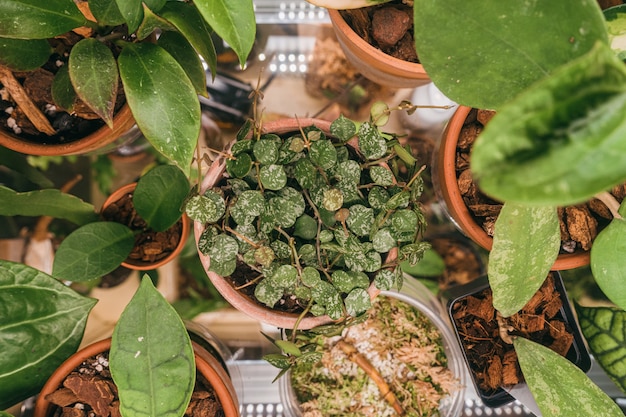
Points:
(285, 276)
(33, 19)
(132, 11)
(32, 304)
(225, 248)
(603, 328)
(106, 12)
(357, 302)
(273, 177)
(48, 202)
(379, 113)
(381, 175)
(151, 354)
(233, 21)
(223, 268)
(606, 261)
(332, 199)
(12, 53)
(94, 75)
(63, 92)
(239, 166)
(163, 101)
(360, 219)
(265, 151)
(310, 276)
(323, 154)
(343, 128)
(346, 281)
(305, 227)
(268, 293)
(92, 251)
(502, 38)
(526, 243)
(349, 171)
(383, 241)
(371, 143)
(277, 360)
(384, 280)
(559, 387)
(159, 196)
(207, 208)
(560, 142)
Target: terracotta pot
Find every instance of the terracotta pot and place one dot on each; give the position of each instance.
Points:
(206, 364)
(139, 265)
(447, 189)
(372, 62)
(236, 298)
(122, 122)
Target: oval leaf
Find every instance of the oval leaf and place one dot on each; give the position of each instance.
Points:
(12, 53)
(526, 243)
(33, 303)
(546, 371)
(92, 251)
(106, 12)
(152, 360)
(607, 262)
(187, 57)
(163, 101)
(63, 92)
(32, 19)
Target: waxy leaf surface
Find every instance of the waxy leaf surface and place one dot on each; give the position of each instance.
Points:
(36, 19)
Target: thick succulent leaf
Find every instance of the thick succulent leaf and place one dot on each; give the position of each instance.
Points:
(49, 202)
(559, 387)
(187, 57)
(162, 100)
(13, 53)
(188, 20)
(152, 360)
(496, 55)
(233, 21)
(106, 12)
(563, 140)
(63, 92)
(92, 251)
(160, 195)
(94, 75)
(604, 329)
(35, 19)
(42, 325)
(526, 243)
(616, 26)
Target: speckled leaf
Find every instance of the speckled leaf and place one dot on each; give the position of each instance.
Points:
(616, 26)
(285, 276)
(604, 329)
(240, 166)
(224, 268)
(378, 197)
(305, 173)
(343, 128)
(207, 208)
(151, 358)
(224, 248)
(323, 154)
(404, 221)
(267, 292)
(310, 276)
(559, 387)
(371, 143)
(265, 151)
(384, 279)
(12, 53)
(346, 281)
(381, 175)
(525, 245)
(34, 19)
(348, 171)
(383, 241)
(273, 177)
(163, 101)
(561, 141)
(92, 251)
(32, 304)
(357, 302)
(360, 219)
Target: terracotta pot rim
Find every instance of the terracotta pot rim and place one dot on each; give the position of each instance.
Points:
(147, 266)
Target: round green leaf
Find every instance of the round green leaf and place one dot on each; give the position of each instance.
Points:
(273, 177)
(404, 221)
(360, 219)
(323, 154)
(305, 173)
(267, 292)
(265, 151)
(295, 197)
(310, 276)
(264, 255)
(223, 268)
(333, 199)
(285, 276)
(225, 248)
(381, 175)
(378, 198)
(251, 202)
(384, 279)
(206, 208)
(240, 166)
(357, 302)
(383, 241)
(38, 20)
(346, 281)
(12, 53)
(349, 171)
(343, 128)
(305, 227)
(371, 143)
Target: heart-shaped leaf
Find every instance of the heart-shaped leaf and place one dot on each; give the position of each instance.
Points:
(561, 141)
(163, 101)
(94, 75)
(526, 243)
(12, 53)
(92, 251)
(496, 55)
(30, 19)
(603, 328)
(151, 359)
(32, 304)
(546, 371)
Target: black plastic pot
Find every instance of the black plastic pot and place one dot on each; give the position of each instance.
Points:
(577, 353)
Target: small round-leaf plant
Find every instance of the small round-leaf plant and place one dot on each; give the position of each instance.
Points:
(315, 218)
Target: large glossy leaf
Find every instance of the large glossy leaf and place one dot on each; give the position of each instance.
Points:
(604, 329)
(106, 12)
(607, 259)
(162, 100)
(159, 196)
(49, 202)
(93, 71)
(36, 19)
(183, 52)
(42, 325)
(92, 251)
(152, 23)
(151, 359)
(13, 53)
(194, 28)
(495, 53)
(559, 387)
(233, 21)
(526, 243)
(18, 163)
(132, 12)
(563, 140)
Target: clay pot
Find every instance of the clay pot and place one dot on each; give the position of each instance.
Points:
(374, 64)
(122, 122)
(447, 189)
(238, 299)
(137, 264)
(206, 364)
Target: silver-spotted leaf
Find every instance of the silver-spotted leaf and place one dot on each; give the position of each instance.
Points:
(606, 261)
(357, 302)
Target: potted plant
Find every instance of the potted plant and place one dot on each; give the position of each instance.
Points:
(402, 358)
(160, 79)
(298, 227)
(555, 101)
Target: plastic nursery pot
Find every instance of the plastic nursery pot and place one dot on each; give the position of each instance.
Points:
(238, 299)
(445, 183)
(418, 296)
(372, 62)
(122, 122)
(206, 364)
(138, 264)
(577, 352)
